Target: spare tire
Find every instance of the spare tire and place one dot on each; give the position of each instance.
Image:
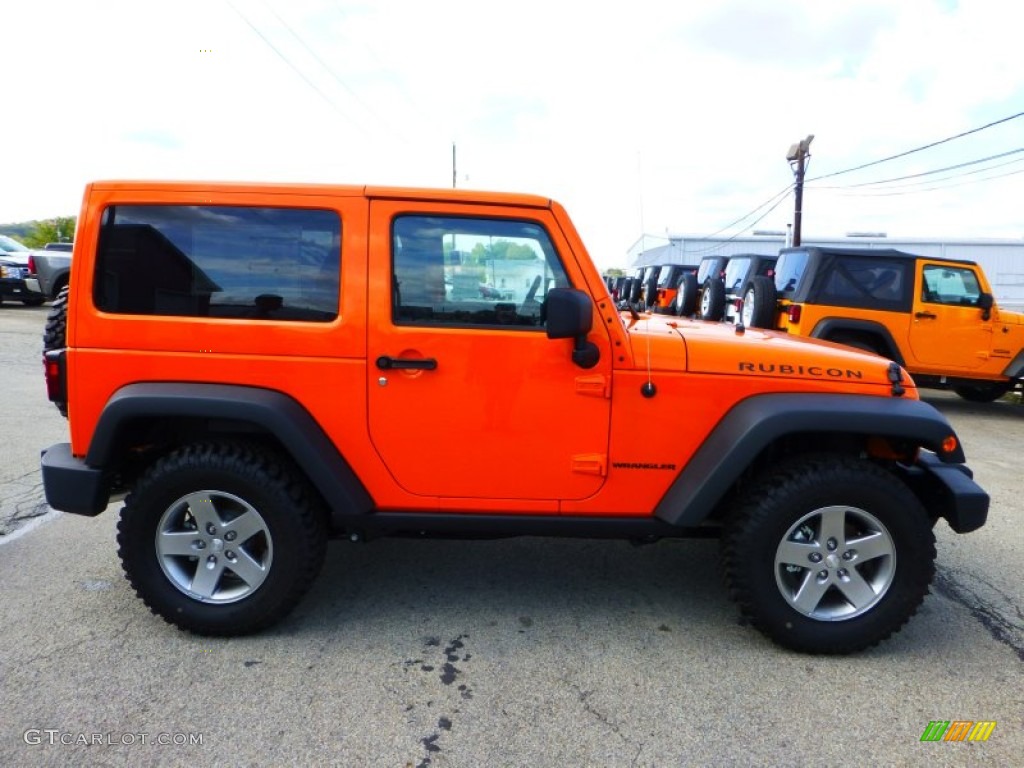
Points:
(56, 332)
(712, 300)
(686, 298)
(759, 303)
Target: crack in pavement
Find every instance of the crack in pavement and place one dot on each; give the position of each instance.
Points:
(1006, 631)
(22, 501)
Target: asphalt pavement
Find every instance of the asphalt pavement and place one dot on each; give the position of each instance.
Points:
(519, 652)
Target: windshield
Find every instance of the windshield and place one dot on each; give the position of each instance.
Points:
(10, 245)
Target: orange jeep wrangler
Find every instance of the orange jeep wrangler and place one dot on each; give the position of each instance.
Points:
(257, 368)
(935, 317)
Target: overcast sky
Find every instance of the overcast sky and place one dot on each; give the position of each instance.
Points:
(637, 116)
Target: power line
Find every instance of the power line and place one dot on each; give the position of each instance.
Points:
(294, 68)
(932, 172)
(322, 63)
(729, 239)
(919, 149)
(936, 188)
(784, 192)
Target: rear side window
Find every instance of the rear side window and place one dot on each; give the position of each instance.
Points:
(219, 261)
(869, 283)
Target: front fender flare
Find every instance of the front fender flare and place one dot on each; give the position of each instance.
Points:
(755, 423)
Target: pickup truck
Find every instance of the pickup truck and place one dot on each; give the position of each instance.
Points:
(16, 279)
(50, 269)
(263, 367)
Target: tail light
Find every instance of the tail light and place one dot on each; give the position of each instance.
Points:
(793, 313)
(31, 264)
(56, 381)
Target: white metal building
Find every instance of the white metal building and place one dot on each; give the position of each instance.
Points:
(1002, 260)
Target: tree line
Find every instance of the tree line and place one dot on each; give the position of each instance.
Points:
(36, 234)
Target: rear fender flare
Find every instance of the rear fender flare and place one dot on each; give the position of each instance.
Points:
(275, 412)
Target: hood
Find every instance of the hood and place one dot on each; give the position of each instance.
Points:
(704, 347)
(1009, 317)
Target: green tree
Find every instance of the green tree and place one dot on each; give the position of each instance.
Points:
(502, 250)
(56, 230)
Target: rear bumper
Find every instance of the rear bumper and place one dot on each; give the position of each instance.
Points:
(953, 493)
(71, 485)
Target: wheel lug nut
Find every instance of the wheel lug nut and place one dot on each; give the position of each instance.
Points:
(843, 573)
(848, 554)
(814, 557)
(211, 529)
(211, 561)
(199, 544)
(822, 575)
(230, 536)
(230, 556)
(832, 545)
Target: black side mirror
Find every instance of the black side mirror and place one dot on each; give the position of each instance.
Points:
(570, 315)
(985, 302)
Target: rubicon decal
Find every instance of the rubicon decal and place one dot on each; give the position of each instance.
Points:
(641, 465)
(782, 369)
(958, 730)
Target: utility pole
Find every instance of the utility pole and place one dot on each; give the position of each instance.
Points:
(797, 156)
(453, 166)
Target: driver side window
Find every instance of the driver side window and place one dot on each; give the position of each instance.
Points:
(950, 285)
(471, 271)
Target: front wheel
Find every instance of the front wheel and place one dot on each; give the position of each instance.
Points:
(219, 539)
(984, 392)
(828, 554)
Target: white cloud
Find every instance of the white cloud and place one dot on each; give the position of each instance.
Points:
(689, 108)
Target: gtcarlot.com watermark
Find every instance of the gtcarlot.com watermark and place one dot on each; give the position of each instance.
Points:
(53, 737)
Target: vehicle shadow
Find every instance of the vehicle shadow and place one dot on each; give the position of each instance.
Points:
(951, 404)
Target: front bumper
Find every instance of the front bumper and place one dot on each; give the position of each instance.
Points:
(949, 491)
(19, 288)
(71, 485)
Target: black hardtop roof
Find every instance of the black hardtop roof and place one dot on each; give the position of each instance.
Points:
(888, 253)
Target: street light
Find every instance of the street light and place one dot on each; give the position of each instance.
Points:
(797, 156)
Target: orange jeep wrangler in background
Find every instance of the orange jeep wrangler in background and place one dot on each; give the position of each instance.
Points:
(935, 317)
(258, 368)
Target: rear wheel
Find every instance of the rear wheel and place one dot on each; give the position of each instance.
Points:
(55, 333)
(857, 342)
(983, 393)
(828, 554)
(219, 539)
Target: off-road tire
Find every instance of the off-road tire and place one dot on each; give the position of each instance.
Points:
(712, 300)
(760, 535)
(983, 393)
(759, 302)
(686, 298)
(293, 532)
(55, 333)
